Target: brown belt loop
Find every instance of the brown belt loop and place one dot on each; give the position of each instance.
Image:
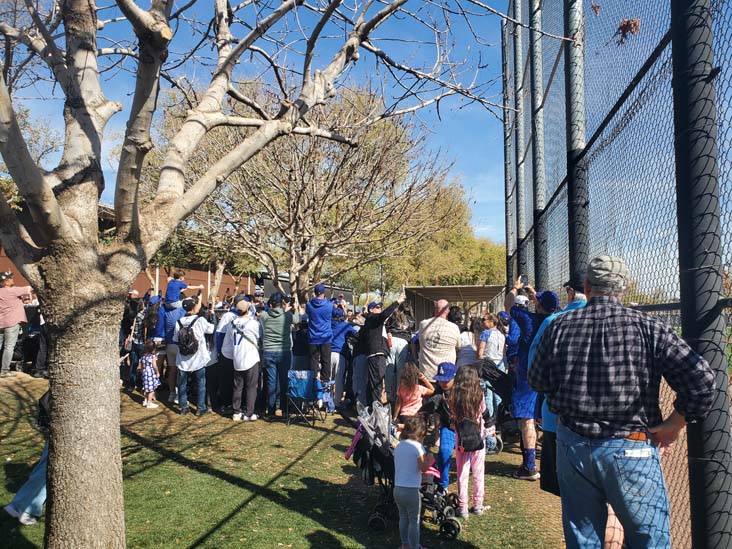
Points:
(639, 436)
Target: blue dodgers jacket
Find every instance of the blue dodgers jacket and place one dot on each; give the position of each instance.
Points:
(160, 328)
(341, 329)
(320, 313)
(512, 339)
(528, 324)
(170, 317)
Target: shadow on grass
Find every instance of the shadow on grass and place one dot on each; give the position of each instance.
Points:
(300, 501)
(500, 469)
(11, 532)
(15, 475)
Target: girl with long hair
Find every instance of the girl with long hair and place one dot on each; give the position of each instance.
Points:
(410, 392)
(467, 405)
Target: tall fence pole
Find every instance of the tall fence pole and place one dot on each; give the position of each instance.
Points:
(577, 193)
(508, 179)
(541, 268)
(700, 264)
(519, 129)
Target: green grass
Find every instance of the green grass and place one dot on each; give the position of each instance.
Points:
(211, 483)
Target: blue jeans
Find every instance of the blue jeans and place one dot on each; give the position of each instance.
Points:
(360, 370)
(492, 400)
(623, 473)
(135, 356)
(200, 377)
(32, 495)
(276, 366)
(447, 445)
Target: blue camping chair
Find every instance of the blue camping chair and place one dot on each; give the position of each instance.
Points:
(303, 394)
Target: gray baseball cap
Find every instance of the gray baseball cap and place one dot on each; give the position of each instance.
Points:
(608, 272)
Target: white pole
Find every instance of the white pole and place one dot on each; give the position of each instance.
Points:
(157, 279)
(208, 282)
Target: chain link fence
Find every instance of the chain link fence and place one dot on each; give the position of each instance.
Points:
(630, 162)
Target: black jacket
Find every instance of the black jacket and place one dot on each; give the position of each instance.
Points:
(373, 329)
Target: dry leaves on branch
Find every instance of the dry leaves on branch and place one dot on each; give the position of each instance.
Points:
(627, 27)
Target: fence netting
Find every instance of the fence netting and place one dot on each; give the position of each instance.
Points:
(629, 115)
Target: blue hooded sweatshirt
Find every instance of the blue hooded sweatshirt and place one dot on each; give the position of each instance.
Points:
(320, 313)
(169, 319)
(341, 329)
(160, 328)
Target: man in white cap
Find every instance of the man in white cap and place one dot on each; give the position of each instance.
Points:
(12, 313)
(600, 367)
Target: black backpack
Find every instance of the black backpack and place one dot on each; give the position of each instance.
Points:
(468, 432)
(151, 319)
(187, 342)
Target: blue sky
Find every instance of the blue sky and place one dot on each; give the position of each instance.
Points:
(471, 136)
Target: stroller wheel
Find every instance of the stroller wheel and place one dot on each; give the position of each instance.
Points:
(377, 522)
(450, 528)
(498, 448)
(452, 501)
(448, 511)
(383, 509)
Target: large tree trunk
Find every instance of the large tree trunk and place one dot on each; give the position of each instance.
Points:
(213, 291)
(82, 307)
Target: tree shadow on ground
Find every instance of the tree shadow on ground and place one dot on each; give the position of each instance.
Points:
(500, 469)
(12, 532)
(16, 474)
(306, 501)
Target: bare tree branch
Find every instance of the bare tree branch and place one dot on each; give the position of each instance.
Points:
(327, 14)
(28, 178)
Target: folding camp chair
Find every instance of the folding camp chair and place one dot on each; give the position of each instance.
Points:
(302, 395)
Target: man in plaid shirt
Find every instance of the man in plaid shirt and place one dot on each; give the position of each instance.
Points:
(601, 367)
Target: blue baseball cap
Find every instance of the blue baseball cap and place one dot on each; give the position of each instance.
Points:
(338, 313)
(503, 315)
(548, 300)
(319, 289)
(445, 371)
(373, 305)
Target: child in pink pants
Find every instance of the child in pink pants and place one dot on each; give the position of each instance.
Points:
(467, 406)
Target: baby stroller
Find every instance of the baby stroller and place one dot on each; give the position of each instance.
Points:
(373, 452)
(500, 383)
(438, 507)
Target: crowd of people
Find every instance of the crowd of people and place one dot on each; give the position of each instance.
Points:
(586, 378)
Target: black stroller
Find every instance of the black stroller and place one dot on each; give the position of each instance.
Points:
(373, 453)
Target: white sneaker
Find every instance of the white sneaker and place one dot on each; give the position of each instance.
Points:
(236, 417)
(26, 519)
(253, 417)
(152, 405)
(144, 403)
(23, 518)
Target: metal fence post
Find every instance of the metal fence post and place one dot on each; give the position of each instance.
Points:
(519, 129)
(508, 179)
(541, 268)
(577, 193)
(700, 264)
